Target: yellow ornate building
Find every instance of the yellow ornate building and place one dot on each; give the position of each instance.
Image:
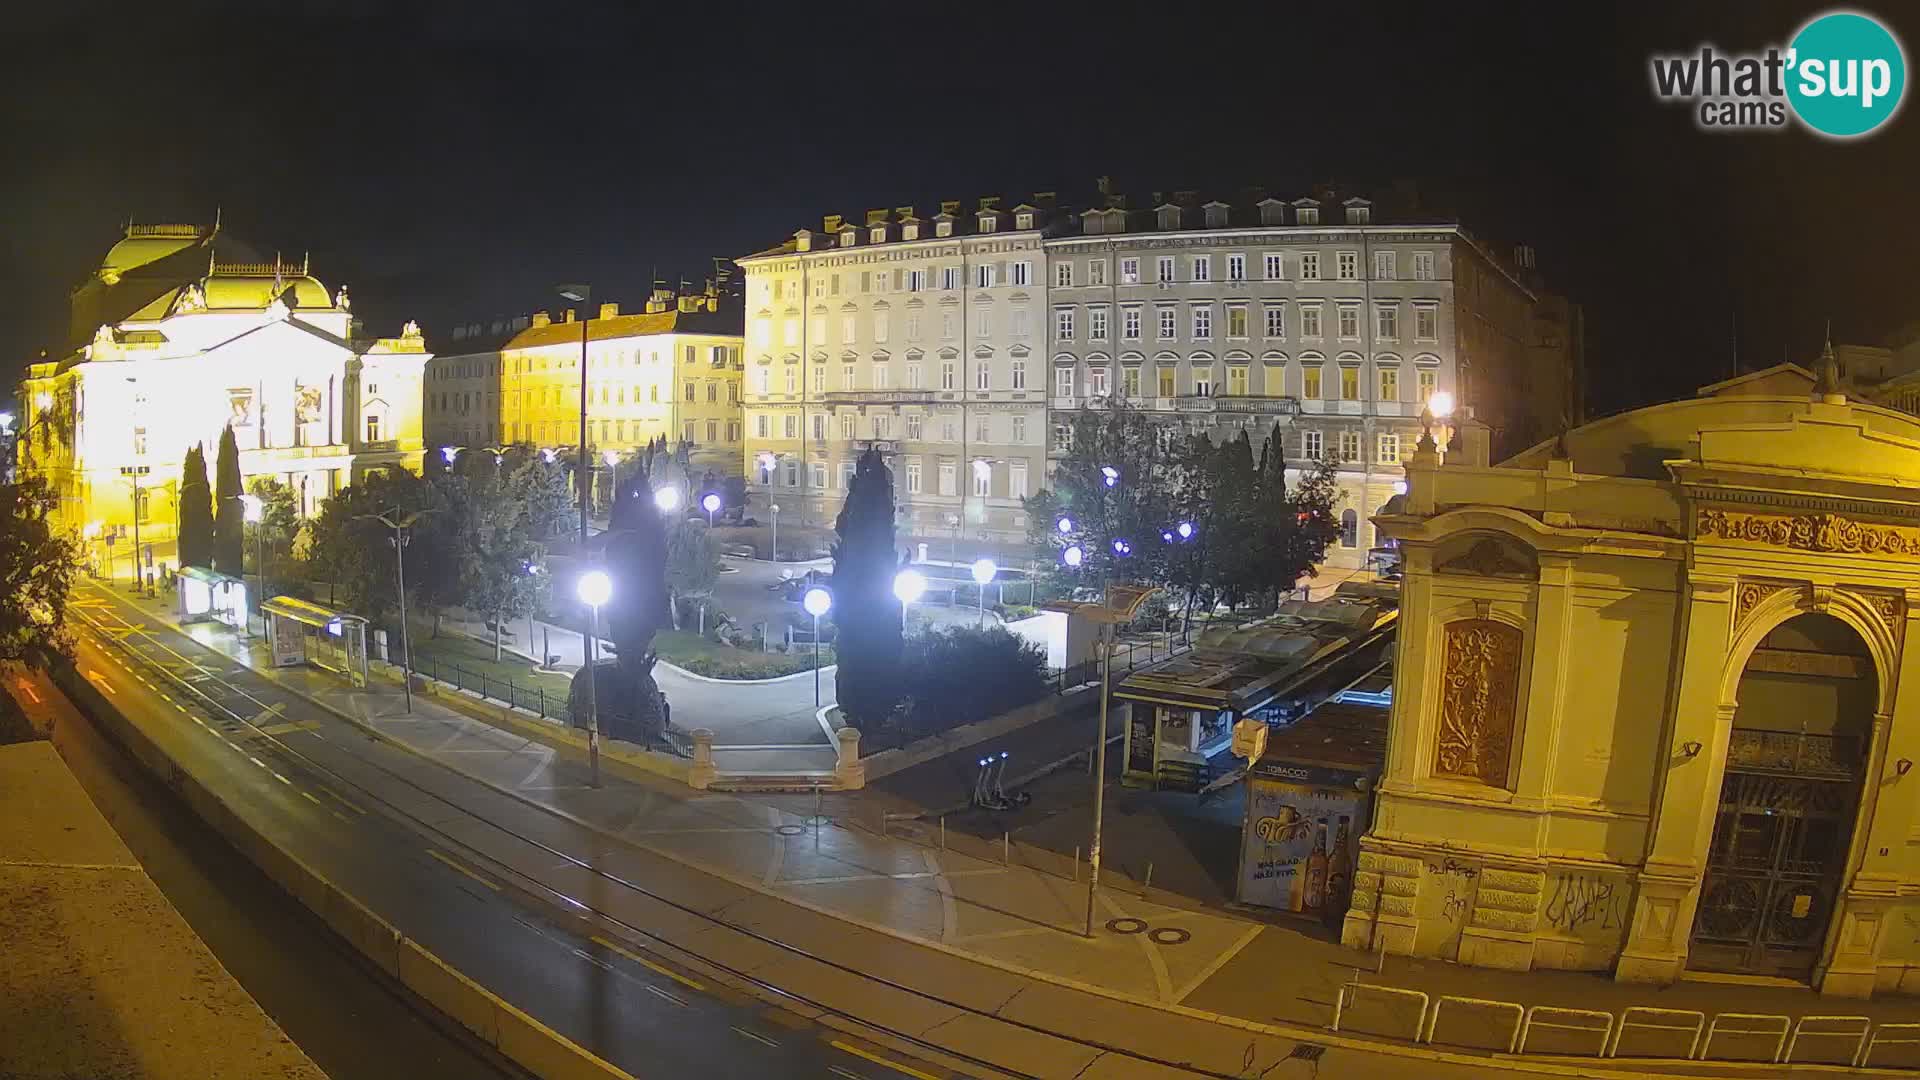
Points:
(1653, 711)
(177, 335)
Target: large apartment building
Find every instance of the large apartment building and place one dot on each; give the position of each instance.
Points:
(671, 370)
(923, 337)
(1225, 314)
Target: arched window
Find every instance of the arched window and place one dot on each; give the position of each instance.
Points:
(1349, 529)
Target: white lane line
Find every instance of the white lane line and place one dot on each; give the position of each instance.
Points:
(307, 795)
(755, 1036)
(659, 993)
(661, 969)
(847, 1047)
(592, 959)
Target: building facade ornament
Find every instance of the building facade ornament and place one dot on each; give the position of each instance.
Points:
(1810, 532)
(1480, 691)
(1487, 558)
(191, 299)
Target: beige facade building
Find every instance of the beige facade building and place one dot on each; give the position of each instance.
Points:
(1222, 315)
(922, 336)
(672, 370)
(181, 333)
(1653, 709)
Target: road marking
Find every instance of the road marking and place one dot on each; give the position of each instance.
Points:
(592, 959)
(657, 992)
(101, 681)
(282, 779)
(258, 762)
(27, 689)
(341, 816)
(450, 862)
(755, 1036)
(850, 1075)
(307, 795)
(648, 964)
(165, 698)
(880, 1061)
(349, 803)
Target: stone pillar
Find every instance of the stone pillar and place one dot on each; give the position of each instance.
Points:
(848, 770)
(1692, 760)
(701, 776)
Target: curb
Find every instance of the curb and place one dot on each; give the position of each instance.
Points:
(678, 670)
(495, 1021)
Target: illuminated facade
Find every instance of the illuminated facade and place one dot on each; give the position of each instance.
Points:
(1220, 316)
(1651, 708)
(672, 371)
(176, 338)
(922, 337)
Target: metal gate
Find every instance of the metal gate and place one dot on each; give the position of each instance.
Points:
(1779, 850)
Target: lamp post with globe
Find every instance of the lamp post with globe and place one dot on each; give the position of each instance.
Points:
(667, 499)
(818, 602)
(254, 511)
(711, 504)
(595, 589)
(908, 585)
(983, 572)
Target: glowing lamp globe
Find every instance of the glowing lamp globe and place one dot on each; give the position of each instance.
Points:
(983, 571)
(1185, 529)
(596, 588)
(711, 504)
(1065, 525)
(667, 498)
(1110, 474)
(611, 457)
(252, 509)
(817, 601)
(1440, 404)
(1073, 556)
(908, 585)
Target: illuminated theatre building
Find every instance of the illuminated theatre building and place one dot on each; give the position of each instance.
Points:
(1653, 709)
(173, 339)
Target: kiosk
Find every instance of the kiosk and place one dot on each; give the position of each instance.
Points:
(302, 632)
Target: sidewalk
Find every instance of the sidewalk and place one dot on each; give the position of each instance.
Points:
(1017, 908)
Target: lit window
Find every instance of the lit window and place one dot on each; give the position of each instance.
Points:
(1389, 384)
(1237, 381)
(1237, 321)
(1427, 383)
(1349, 384)
(1310, 382)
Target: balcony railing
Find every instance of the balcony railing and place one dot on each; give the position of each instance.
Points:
(880, 397)
(1256, 404)
(1833, 756)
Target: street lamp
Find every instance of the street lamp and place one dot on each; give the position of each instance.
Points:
(774, 508)
(449, 453)
(667, 499)
(983, 572)
(254, 511)
(1185, 529)
(817, 602)
(400, 527)
(1122, 548)
(547, 455)
(595, 589)
(581, 294)
(907, 587)
(1109, 475)
(711, 504)
(1064, 525)
(1073, 556)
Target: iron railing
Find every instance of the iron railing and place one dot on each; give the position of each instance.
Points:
(533, 699)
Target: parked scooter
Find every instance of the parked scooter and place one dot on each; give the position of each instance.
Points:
(989, 791)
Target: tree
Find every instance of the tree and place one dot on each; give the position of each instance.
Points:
(229, 515)
(629, 701)
(497, 556)
(356, 552)
(966, 674)
(1134, 509)
(540, 487)
(37, 567)
(868, 614)
(693, 563)
(196, 511)
(279, 521)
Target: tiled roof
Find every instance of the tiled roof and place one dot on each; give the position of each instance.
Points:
(673, 321)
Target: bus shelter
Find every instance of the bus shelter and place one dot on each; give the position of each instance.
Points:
(303, 632)
(208, 595)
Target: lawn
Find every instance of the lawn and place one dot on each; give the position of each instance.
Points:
(702, 657)
(475, 658)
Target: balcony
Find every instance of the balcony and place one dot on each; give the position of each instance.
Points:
(1237, 404)
(879, 397)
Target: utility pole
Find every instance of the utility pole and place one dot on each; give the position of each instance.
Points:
(400, 540)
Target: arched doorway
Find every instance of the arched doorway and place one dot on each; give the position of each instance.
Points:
(1784, 823)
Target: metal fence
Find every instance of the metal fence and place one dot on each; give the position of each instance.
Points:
(535, 699)
(1127, 655)
(1638, 1032)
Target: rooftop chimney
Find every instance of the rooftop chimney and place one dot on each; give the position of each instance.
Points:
(608, 311)
(877, 217)
(950, 206)
(902, 213)
(1104, 185)
(541, 318)
(830, 223)
(989, 202)
(569, 317)
(1045, 199)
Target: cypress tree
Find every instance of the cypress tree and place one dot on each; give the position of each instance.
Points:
(867, 612)
(196, 511)
(229, 515)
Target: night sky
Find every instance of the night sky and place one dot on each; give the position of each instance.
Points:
(455, 159)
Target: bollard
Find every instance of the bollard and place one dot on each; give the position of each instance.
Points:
(1006, 850)
(943, 832)
(848, 769)
(1076, 862)
(1148, 882)
(702, 774)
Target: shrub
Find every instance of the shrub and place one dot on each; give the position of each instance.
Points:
(967, 674)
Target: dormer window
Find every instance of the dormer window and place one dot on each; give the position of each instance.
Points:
(1307, 215)
(910, 231)
(1023, 221)
(849, 237)
(1359, 211)
(879, 234)
(1273, 212)
(989, 223)
(1216, 215)
(943, 227)
(1169, 217)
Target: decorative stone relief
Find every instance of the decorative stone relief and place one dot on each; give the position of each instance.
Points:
(1488, 558)
(1508, 900)
(1811, 532)
(1750, 595)
(1891, 609)
(1478, 699)
(1386, 884)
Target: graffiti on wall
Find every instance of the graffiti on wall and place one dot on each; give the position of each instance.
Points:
(1588, 905)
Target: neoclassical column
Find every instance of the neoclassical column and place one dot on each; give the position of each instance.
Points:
(1690, 759)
